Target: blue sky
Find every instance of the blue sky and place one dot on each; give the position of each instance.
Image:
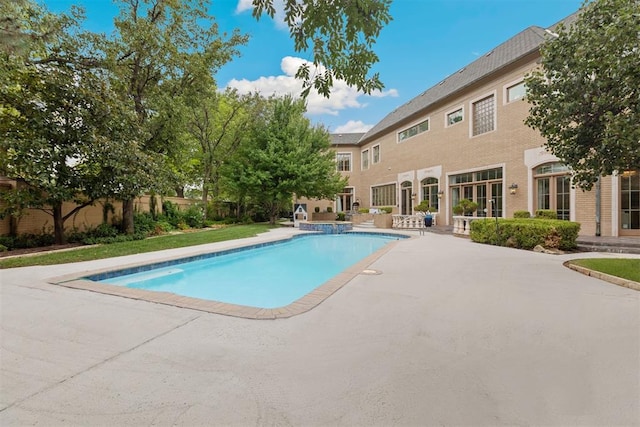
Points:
(426, 41)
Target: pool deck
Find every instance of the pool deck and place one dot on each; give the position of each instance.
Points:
(440, 331)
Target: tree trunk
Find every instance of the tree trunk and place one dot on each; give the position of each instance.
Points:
(179, 192)
(127, 216)
(58, 224)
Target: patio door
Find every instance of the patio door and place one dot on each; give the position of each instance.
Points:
(630, 203)
(406, 200)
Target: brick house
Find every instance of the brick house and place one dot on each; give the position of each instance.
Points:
(465, 138)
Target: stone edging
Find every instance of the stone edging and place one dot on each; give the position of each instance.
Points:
(603, 276)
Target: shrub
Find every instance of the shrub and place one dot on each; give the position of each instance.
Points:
(341, 216)
(521, 214)
(526, 233)
(143, 223)
(423, 206)
(465, 207)
(386, 209)
(546, 214)
(3, 248)
(316, 209)
(329, 209)
(363, 210)
(104, 230)
(193, 217)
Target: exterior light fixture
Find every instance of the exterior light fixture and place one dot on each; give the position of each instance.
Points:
(440, 194)
(513, 188)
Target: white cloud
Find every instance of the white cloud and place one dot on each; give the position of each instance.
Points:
(342, 96)
(278, 19)
(244, 5)
(353, 126)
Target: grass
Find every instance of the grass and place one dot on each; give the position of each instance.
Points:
(137, 246)
(626, 268)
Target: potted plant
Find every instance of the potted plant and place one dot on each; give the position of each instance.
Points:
(423, 206)
(465, 207)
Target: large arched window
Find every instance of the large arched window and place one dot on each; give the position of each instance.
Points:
(553, 188)
(430, 192)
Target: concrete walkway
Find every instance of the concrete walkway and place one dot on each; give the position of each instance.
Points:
(451, 333)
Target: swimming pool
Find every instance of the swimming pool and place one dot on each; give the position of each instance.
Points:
(263, 276)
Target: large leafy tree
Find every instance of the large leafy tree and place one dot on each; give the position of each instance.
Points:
(56, 114)
(340, 35)
(286, 156)
(585, 98)
(162, 49)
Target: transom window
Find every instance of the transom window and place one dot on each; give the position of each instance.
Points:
(375, 153)
(383, 195)
(483, 115)
(343, 161)
(483, 187)
(454, 117)
(515, 92)
(413, 130)
(365, 160)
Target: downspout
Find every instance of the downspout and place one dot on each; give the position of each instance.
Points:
(598, 206)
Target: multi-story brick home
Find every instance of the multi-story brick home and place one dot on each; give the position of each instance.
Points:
(465, 138)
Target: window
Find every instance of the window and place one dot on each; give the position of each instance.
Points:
(430, 192)
(343, 161)
(344, 200)
(483, 115)
(454, 117)
(483, 187)
(375, 154)
(383, 195)
(365, 160)
(413, 130)
(630, 200)
(515, 92)
(552, 185)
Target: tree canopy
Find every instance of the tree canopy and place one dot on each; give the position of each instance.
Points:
(340, 34)
(286, 156)
(585, 98)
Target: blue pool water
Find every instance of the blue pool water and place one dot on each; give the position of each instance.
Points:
(266, 276)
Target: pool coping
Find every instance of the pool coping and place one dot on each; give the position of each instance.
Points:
(299, 306)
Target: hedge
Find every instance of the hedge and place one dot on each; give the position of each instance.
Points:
(525, 233)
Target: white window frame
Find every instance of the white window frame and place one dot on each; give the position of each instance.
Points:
(495, 113)
(364, 159)
(373, 158)
(505, 91)
(415, 124)
(350, 161)
(446, 116)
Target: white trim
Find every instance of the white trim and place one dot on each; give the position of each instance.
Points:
(493, 93)
(505, 91)
(379, 154)
(350, 160)
(615, 204)
(415, 123)
(362, 158)
(432, 172)
(446, 116)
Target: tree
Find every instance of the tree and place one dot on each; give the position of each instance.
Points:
(162, 49)
(55, 115)
(342, 34)
(286, 156)
(585, 98)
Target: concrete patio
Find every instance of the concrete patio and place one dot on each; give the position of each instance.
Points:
(450, 333)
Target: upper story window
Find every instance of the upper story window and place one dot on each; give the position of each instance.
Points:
(454, 117)
(365, 160)
(375, 154)
(483, 115)
(413, 130)
(516, 91)
(343, 161)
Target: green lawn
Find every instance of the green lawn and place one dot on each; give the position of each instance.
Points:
(138, 246)
(627, 268)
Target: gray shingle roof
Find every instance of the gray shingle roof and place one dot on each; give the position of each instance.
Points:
(346, 138)
(516, 47)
